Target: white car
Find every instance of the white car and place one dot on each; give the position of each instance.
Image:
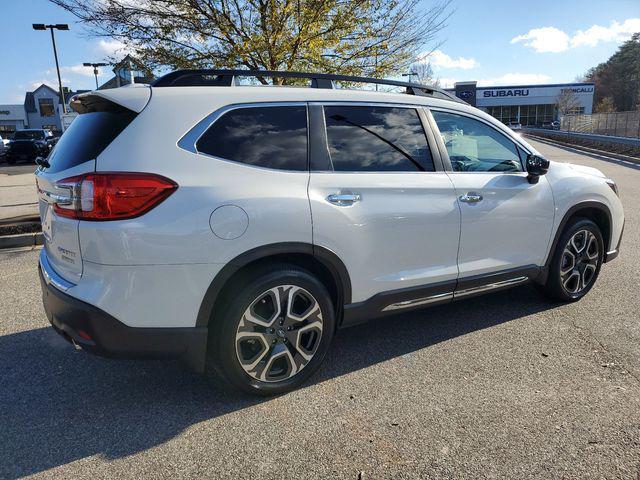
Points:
(515, 126)
(241, 226)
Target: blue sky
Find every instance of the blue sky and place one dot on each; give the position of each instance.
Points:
(497, 42)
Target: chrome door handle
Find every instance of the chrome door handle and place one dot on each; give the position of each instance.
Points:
(344, 199)
(470, 197)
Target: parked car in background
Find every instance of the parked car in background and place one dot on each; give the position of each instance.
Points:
(27, 145)
(515, 126)
(555, 125)
(3, 146)
(245, 231)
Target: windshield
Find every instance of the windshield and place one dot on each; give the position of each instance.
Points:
(29, 135)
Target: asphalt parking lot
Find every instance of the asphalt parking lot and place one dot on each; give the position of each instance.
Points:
(503, 386)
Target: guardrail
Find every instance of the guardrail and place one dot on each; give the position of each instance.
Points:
(568, 136)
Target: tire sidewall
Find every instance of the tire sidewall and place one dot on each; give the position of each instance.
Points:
(225, 356)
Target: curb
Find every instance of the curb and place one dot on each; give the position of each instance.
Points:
(21, 240)
(20, 219)
(593, 151)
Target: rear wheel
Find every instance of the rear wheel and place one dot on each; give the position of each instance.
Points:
(274, 331)
(576, 261)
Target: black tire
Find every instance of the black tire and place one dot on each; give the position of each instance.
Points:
(555, 285)
(223, 352)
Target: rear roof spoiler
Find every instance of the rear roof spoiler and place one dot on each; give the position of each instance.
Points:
(132, 97)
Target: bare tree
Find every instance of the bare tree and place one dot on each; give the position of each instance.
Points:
(567, 102)
(370, 37)
(422, 72)
(606, 105)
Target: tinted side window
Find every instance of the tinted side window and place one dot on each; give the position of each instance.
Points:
(272, 137)
(87, 136)
(474, 146)
(376, 139)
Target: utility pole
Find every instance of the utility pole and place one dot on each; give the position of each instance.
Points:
(57, 26)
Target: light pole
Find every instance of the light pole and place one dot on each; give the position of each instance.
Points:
(410, 74)
(57, 26)
(95, 69)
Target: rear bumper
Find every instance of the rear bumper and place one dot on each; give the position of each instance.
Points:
(99, 333)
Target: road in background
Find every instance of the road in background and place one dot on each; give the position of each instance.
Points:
(508, 385)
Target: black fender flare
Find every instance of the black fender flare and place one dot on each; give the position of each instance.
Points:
(323, 255)
(563, 223)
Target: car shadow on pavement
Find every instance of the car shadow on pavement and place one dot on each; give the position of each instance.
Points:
(58, 405)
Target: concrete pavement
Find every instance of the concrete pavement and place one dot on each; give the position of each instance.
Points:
(18, 196)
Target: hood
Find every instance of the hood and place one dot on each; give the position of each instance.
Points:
(586, 170)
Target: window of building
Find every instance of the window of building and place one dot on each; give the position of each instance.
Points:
(46, 107)
(474, 146)
(271, 137)
(6, 130)
(575, 111)
(533, 115)
(384, 139)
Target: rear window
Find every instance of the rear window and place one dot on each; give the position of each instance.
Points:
(87, 136)
(271, 137)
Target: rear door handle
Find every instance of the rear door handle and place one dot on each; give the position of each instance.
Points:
(344, 199)
(471, 197)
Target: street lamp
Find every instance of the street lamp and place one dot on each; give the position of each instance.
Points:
(95, 69)
(410, 74)
(57, 26)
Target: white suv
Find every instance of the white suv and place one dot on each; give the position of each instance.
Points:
(241, 226)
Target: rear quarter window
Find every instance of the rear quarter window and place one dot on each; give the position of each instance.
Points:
(87, 136)
(270, 137)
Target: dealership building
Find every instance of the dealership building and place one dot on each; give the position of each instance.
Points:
(42, 107)
(533, 105)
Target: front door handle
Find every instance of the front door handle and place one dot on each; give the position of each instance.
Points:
(471, 197)
(344, 199)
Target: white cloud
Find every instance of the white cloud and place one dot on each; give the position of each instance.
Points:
(616, 32)
(447, 82)
(515, 79)
(545, 39)
(551, 39)
(112, 48)
(85, 71)
(439, 59)
(51, 82)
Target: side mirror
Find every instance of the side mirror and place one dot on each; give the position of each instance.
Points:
(536, 166)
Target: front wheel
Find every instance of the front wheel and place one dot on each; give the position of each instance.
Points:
(576, 262)
(274, 332)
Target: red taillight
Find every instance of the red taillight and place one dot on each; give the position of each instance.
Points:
(113, 196)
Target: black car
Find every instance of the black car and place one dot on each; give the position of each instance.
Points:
(27, 145)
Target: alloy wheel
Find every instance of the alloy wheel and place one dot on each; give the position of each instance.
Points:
(579, 262)
(279, 333)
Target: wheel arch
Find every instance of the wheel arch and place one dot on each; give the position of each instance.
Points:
(330, 270)
(598, 212)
